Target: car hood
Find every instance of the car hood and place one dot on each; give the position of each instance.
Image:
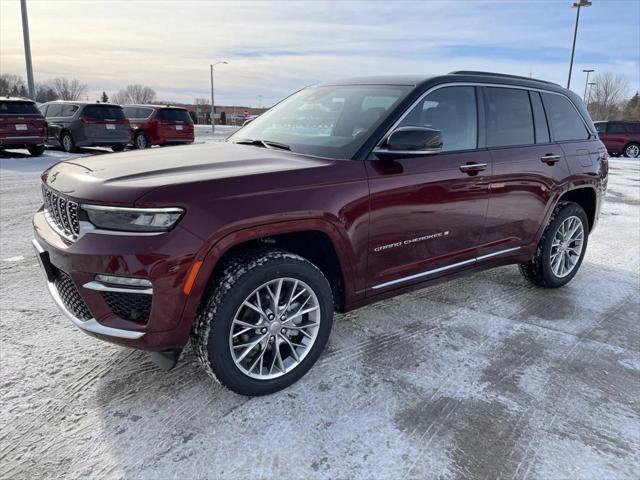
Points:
(120, 179)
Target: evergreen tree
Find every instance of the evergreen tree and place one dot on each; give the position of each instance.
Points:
(632, 108)
(105, 97)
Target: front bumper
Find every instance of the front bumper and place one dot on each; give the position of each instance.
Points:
(163, 259)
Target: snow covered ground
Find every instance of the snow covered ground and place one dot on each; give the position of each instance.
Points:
(481, 377)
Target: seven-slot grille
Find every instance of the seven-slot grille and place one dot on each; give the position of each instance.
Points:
(61, 213)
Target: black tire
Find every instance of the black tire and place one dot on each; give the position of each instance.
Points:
(632, 150)
(538, 270)
(213, 323)
(67, 143)
(117, 148)
(36, 150)
(141, 141)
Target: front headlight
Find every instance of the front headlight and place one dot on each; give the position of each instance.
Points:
(133, 219)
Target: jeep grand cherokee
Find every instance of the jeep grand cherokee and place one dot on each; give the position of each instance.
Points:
(343, 194)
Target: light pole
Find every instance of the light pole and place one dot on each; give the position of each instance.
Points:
(587, 71)
(27, 49)
(213, 105)
(591, 85)
(578, 4)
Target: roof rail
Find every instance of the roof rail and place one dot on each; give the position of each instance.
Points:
(501, 75)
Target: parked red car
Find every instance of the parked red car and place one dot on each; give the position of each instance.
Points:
(159, 125)
(341, 195)
(22, 125)
(620, 138)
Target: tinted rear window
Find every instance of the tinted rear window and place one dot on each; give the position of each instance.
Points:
(103, 112)
(509, 117)
(173, 115)
(18, 108)
(616, 128)
(566, 123)
(137, 112)
(601, 127)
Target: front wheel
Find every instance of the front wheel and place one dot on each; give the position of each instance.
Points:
(265, 323)
(632, 150)
(561, 249)
(36, 150)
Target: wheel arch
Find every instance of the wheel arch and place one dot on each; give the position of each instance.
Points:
(584, 196)
(316, 240)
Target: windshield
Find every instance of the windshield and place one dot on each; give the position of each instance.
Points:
(326, 121)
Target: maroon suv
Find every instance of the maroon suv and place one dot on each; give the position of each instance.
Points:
(343, 194)
(159, 125)
(620, 138)
(22, 125)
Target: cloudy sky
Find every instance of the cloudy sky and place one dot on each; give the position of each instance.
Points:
(274, 48)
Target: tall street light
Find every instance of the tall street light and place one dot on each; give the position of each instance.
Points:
(213, 105)
(27, 49)
(591, 85)
(579, 4)
(587, 71)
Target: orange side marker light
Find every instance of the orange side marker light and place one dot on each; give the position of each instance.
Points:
(191, 278)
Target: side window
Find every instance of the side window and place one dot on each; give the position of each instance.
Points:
(54, 110)
(453, 111)
(509, 120)
(616, 128)
(43, 109)
(566, 123)
(68, 110)
(143, 112)
(633, 127)
(601, 127)
(539, 118)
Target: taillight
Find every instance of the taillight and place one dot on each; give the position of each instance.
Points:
(83, 120)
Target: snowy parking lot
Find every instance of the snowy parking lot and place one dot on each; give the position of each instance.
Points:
(482, 377)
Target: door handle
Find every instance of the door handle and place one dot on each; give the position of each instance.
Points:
(550, 159)
(472, 168)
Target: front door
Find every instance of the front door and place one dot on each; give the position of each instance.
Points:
(428, 212)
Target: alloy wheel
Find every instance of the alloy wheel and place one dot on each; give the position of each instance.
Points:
(274, 328)
(632, 151)
(566, 247)
(141, 142)
(67, 143)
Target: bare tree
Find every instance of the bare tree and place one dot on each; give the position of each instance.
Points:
(608, 92)
(12, 85)
(68, 89)
(45, 92)
(134, 94)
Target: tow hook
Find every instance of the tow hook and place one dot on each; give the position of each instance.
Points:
(166, 360)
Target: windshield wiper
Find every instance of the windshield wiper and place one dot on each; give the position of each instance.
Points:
(263, 143)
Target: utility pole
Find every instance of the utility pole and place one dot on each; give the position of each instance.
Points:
(213, 105)
(27, 49)
(578, 4)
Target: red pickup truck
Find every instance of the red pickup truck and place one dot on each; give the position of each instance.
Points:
(341, 195)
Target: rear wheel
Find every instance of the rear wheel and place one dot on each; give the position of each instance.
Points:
(67, 143)
(141, 142)
(632, 150)
(561, 249)
(36, 150)
(265, 323)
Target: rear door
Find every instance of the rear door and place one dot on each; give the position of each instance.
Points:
(428, 212)
(54, 120)
(20, 119)
(527, 168)
(103, 123)
(617, 136)
(174, 124)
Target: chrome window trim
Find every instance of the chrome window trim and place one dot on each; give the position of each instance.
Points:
(483, 84)
(445, 268)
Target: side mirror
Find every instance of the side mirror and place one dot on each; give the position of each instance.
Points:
(406, 141)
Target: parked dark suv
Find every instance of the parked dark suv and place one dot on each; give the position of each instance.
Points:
(22, 125)
(79, 124)
(159, 125)
(620, 138)
(341, 195)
